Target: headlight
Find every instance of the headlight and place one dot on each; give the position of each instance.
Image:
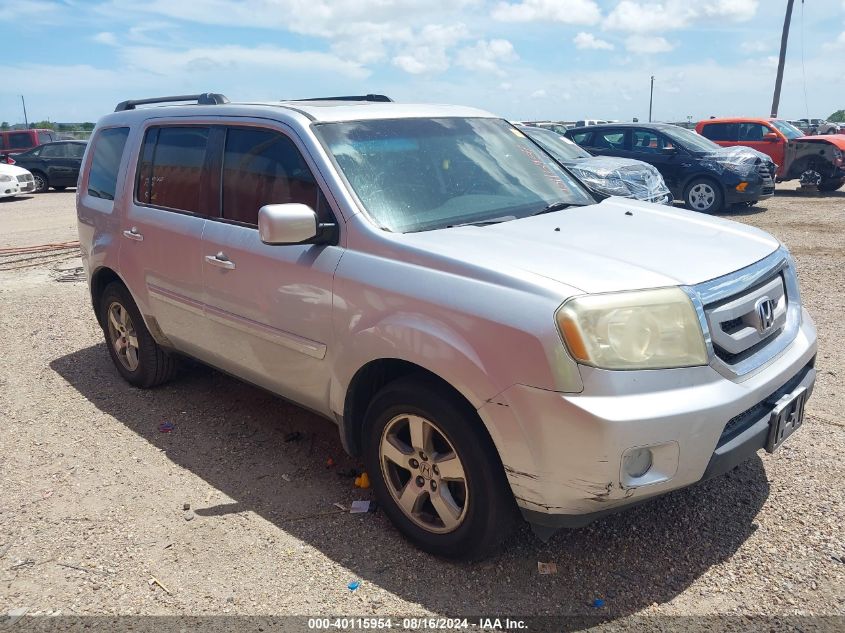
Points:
(647, 329)
(5, 178)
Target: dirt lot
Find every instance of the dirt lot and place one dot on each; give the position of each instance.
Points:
(91, 509)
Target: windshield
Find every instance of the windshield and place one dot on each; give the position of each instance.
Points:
(690, 140)
(422, 174)
(561, 148)
(787, 129)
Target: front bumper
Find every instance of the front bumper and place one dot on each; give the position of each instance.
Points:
(754, 191)
(563, 452)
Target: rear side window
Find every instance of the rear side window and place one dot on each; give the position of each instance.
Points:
(171, 173)
(57, 150)
(720, 131)
(582, 138)
(20, 140)
(108, 150)
(264, 167)
(612, 139)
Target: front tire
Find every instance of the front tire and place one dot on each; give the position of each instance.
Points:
(138, 358)
(41, 182)
(435, 470)
(831, 184)
(704, 195)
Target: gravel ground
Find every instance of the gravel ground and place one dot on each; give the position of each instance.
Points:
(93, 494)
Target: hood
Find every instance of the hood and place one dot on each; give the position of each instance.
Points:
(837, 140)
(618, 244)
(621, 177)
(12, 170)
(739, 159)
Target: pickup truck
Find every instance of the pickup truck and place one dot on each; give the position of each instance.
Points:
(792, 152)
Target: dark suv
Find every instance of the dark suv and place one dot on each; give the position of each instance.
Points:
(705, 176)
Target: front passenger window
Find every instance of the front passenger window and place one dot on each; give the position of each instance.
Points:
(264, 167)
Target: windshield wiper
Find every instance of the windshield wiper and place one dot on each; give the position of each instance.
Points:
(555, 206)
(506, 218)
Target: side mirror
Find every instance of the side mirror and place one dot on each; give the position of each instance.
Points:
(771, 137)
(290, 223)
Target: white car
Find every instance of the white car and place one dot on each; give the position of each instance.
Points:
(14, 181)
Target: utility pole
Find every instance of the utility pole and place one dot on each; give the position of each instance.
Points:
(25, 120)
(782, 59)
(650, 98)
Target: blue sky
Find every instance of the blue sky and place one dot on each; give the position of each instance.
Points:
(524, 59)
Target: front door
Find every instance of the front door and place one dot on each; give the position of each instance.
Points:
(657, 149)
(161, 236)
(268, 307)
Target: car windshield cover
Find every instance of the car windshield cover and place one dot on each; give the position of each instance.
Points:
(421, 174)
(787, 129)
(692, 141)
(561, 148)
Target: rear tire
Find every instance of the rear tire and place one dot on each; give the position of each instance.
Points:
(429, 457)
(704, 195)
(138, 358)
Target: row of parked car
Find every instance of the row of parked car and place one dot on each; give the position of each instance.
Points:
(44, 165)
(725, 162)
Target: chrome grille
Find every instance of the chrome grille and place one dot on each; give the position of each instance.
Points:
(25, 178)
(750, 316)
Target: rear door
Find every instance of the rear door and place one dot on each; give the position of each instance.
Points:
(269, 307)
(75, 152)
(161, 232)
(721, 133)
(62, 170)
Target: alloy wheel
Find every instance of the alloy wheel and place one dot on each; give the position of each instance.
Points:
(424, 473)
(701, 196)
(122, 335)
(40, 183)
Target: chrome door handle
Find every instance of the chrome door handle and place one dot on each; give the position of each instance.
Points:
(133, 234)
(221, 261)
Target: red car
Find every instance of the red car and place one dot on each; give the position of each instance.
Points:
(16, 141)
(787, 146)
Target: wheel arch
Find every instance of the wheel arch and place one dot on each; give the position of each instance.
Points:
(100, 279)
(370, 378)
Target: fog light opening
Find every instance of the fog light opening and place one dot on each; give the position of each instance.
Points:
(637, 462)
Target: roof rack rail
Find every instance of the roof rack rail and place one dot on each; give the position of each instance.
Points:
(206, 98)
(369, 97)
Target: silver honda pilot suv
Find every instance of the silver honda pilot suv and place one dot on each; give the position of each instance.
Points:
(488, 338)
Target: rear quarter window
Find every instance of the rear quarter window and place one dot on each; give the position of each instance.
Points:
(720, 131)
(20, 140)
(108, 152)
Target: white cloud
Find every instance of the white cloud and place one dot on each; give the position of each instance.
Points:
(642, 17)
(588, 41)
(486, 55)
(107, 38)
(757, 46)
(565, 11)
(838, 43)
(648, 44)
(538, 94)
(428, 50)
(236, 59)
